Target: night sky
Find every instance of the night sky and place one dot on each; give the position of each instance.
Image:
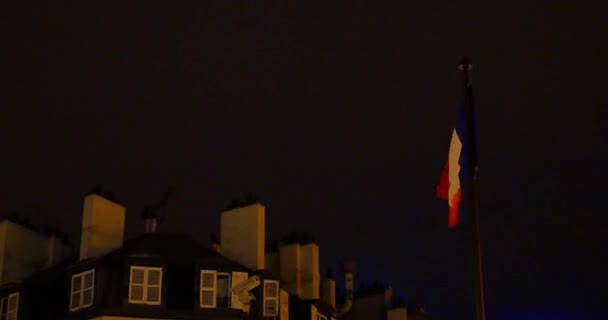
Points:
(338, 117)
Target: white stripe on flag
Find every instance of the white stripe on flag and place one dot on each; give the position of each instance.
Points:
(454, 166)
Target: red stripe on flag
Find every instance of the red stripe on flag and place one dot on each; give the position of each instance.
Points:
(453, 213)
(444, 183)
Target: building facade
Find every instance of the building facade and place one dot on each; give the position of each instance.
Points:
(161, 275)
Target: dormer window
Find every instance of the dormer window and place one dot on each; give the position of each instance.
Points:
(9, 306)
(145, 285)
(215, 289)
(82, 290)
(271, 298)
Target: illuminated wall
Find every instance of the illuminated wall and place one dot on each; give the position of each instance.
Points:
(243, 235)
(311, 278)
(291, 268)
(23, 251)
(397, 314)
(284, 311)
(329, 292)
(103, 225)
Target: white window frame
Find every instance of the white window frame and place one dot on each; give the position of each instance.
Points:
(208, 289)
(8, 313)
(146, 285)
(275, 298)
(80, 290)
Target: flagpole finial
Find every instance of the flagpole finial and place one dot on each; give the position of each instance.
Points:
(465, 64)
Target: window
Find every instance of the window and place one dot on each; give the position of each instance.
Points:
(9, 306)
(216, 289)
(145, 285)
(82, 290)
(223, 290)
(208, 288)
(271, 297)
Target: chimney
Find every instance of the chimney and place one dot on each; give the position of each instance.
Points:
(153, 224)
(243, 235)
(150, 220)
(311, 278)
(329, 290)
(103, 224)
(348, 270)
(290, 267)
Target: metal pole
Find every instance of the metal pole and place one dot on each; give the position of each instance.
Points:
(466, 66)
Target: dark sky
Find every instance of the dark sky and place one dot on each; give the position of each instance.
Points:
(339, 118)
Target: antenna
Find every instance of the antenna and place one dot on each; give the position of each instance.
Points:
(158, 211)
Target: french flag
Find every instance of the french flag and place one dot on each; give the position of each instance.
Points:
(459, 166)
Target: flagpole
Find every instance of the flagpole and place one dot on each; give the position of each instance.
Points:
(466, 67)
